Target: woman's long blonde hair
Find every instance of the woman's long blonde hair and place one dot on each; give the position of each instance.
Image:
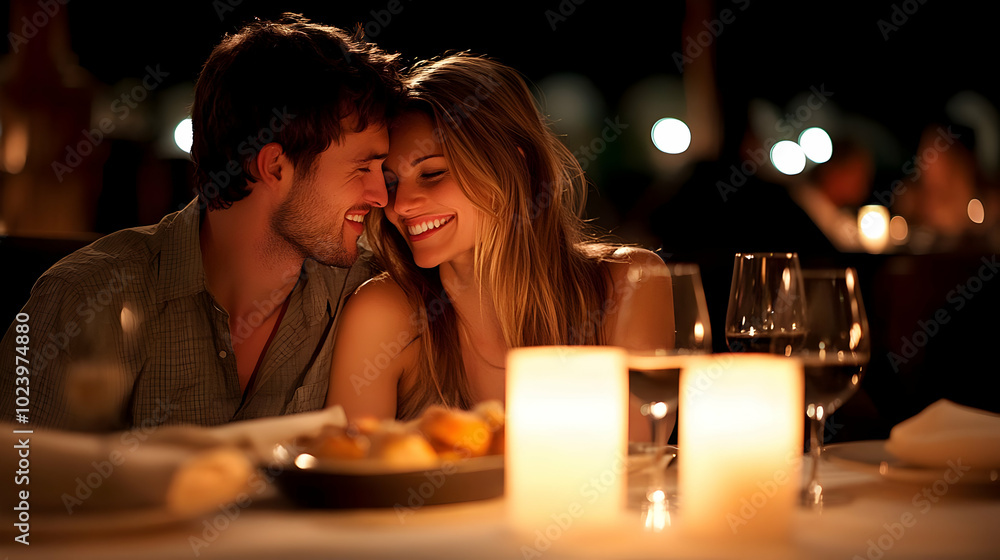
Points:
(532, 252)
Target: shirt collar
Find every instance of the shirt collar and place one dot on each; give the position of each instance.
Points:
(316, 301)
(181, 272)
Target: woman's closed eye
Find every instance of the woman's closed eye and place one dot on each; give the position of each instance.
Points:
(429, 175)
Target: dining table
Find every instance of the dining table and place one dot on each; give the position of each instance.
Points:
(954, 514)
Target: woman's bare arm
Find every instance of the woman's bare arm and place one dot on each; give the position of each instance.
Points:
(372, 349)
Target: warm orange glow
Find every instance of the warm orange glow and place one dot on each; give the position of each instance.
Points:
(15, 147)
(740, 432)
(899, 231)
(566, 428)
(873, 227)
(976, 211)
(128, 319)
(305, 461)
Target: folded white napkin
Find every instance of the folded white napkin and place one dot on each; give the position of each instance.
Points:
(179, 469)
(946, 431)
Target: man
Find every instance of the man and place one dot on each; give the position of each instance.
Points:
(224, 310)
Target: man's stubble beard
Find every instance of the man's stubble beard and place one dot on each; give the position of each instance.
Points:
(299, 223)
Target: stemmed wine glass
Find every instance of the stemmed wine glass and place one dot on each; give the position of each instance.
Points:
(835, 352)
(669, 318)
(765, 312)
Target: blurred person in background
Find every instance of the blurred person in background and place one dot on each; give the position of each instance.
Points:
(833, 192)
(941, 196)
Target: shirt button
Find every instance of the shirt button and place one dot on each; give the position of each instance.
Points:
(222, 354)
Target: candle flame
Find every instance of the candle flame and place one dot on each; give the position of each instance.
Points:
(305, 461)
(656, 516)
(855, 336)
(658, 409)
(873, 227)
(699, 332)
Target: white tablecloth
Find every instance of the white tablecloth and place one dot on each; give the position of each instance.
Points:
(882, 519)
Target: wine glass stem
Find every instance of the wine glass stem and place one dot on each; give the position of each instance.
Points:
(658, 480)
(817, 427)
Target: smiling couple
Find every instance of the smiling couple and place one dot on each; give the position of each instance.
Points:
(470, 205)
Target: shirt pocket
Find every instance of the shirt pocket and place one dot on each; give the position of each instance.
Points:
(307, 398)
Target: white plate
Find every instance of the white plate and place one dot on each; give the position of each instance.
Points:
(872, 457)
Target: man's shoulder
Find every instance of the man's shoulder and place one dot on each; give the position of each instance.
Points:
(129, 250)
(122, 249)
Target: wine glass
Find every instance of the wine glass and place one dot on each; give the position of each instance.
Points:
(669, 319)
(834, 352)
(765, 312)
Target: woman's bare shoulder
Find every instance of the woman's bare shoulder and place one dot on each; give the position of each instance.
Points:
(381, 286)
(633, 263)
(382, 297)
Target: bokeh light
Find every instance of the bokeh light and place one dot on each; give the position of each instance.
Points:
(873, 223)
(183, 135)
(899, 231)
(671, 135)
(788, 158)
(976, 212)
(816, 144)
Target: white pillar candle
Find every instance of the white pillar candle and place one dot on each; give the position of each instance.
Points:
(567, 437)
(873, 228)
(739, 445)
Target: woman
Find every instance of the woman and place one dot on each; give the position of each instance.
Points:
(483, 249)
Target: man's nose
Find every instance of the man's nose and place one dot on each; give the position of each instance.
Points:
(375, 193)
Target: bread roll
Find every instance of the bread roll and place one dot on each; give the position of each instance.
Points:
(335, 442)
(492, 412)
(403, 449)
(455, 434)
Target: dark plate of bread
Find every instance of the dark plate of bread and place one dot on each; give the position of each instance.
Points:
(444, 456)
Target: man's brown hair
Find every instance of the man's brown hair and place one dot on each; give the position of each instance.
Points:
(289, 81)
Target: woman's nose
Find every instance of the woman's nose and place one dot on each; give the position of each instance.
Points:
(406, 198)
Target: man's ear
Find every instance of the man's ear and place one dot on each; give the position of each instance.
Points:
(271, 166)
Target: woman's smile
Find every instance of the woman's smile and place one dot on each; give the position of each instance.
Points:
(423, 228)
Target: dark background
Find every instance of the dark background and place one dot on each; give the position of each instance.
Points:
(772, 48)
(898, 78)
(772, 51)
